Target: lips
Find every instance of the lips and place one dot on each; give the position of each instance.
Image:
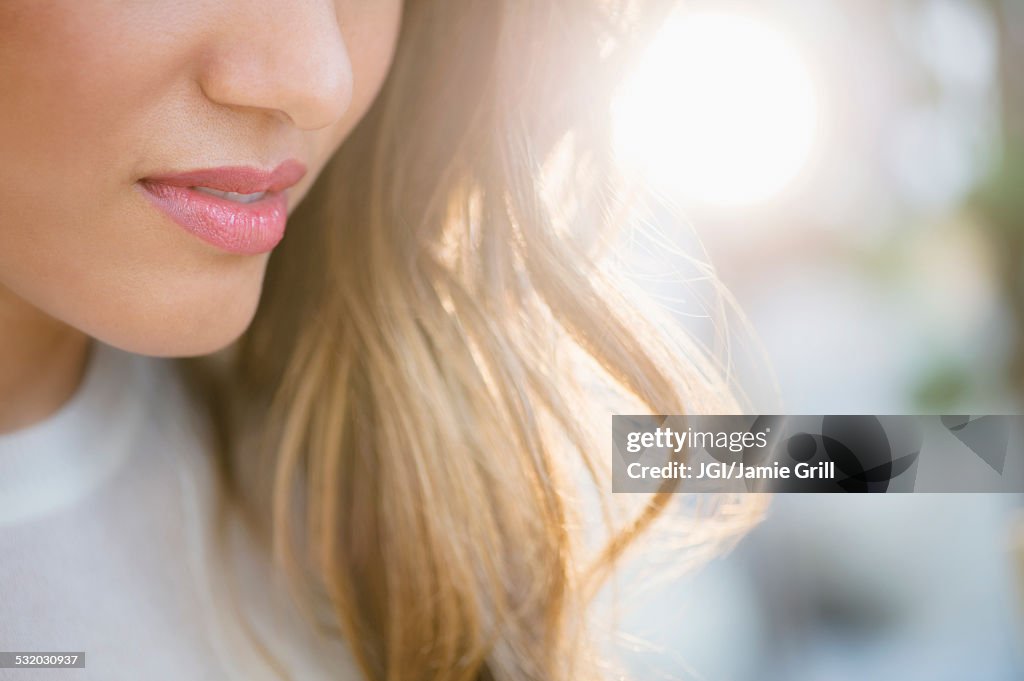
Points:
(237, 209)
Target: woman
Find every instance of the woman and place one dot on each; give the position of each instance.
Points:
(388, 398)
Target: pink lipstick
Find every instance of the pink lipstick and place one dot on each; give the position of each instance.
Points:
(237, 209)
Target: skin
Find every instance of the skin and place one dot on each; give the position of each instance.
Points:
(100, 94)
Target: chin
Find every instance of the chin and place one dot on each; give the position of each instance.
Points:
(193, 316)
(180, 333)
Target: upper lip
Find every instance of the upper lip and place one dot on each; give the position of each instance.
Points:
(237, 179)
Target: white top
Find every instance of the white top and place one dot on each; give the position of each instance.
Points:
(106, 536)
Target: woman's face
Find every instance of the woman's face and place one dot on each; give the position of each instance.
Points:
(115, 111)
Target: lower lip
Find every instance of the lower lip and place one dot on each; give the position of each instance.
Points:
(243, 228)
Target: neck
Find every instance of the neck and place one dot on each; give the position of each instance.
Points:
(42, 361)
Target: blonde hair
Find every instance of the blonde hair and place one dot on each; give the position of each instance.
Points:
(401, 419)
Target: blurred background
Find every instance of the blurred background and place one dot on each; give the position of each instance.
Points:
(855, 171)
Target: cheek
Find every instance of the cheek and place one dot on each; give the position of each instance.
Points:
(78, 80)
(86, 92)
(371, 31)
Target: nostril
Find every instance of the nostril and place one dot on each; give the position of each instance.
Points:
(303, 75)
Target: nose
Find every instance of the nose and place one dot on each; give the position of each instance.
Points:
(283, 56)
